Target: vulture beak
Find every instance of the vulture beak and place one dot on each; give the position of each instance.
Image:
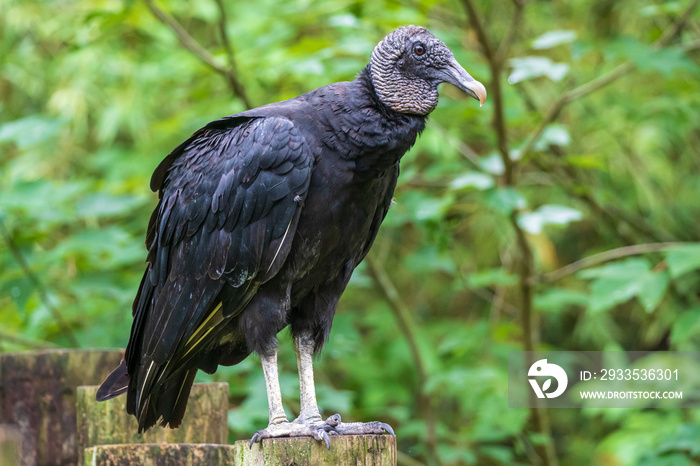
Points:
(458, 77)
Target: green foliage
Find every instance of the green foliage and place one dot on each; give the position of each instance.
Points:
(94, 94)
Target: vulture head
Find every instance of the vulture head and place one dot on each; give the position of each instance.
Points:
(407, 66)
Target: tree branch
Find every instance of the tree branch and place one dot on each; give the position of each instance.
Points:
(41, 290)
(504, 48)
(479, 29)
(191, 44)
(601, 258)
(524, 263)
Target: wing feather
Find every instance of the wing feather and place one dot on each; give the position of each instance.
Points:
(230, 197)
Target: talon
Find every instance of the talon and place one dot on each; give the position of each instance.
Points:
(332, 429)
(327, 440)
(252, 441)
(333, 420)
(388, 428)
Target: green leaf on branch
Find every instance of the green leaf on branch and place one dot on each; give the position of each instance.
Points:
(683, 258)
(491, 277)
(553, 38)
(621, 281)
(558, 299)
(525, 68)
(553, 135)
(533, 222)
(505, 200)
(475, 180)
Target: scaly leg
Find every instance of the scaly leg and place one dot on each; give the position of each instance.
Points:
(309, 413)
(279, 426)
(274, 394)
(309, 423)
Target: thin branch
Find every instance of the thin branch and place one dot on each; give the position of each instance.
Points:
(191, 44)
(600, 82)
(601, 258)
(224, 35)
(41, 290)
(504, 48)
(479, 29)
(403, 317)
(524, 263)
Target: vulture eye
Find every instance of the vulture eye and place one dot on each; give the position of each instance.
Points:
(419, 49)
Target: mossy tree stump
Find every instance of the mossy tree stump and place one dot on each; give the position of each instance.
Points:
(38, 393)
(350, 450)
(12, 447)
(360, 450)
(159, 454)
(107, 423)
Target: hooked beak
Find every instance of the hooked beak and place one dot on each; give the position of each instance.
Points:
(458, 77)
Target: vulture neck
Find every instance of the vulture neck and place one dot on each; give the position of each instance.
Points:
(381, 136)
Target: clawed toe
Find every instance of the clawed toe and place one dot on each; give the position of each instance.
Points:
(388, 428)
(320, 430)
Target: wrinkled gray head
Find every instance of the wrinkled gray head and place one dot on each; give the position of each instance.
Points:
(407, 66)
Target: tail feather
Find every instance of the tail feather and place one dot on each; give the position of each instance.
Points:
(163, 403)
(115, 384)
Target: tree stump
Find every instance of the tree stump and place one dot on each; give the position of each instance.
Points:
(11, 446)
(160, 454)
(107, 423)
(37, 393)
(351, 450)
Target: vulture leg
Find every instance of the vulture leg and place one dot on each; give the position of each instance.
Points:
(309, 423)
(272, 384)
(309, 414)
(279, 426)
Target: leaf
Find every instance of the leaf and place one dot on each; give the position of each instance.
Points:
(29, 131)
(553, 135)
(682, 259)
(621, 281)
(505, 200)
(559, 299)
(432, 208)
(525, 68)
(533, 222)
(489, 277)
(653, 289)
(686, 326)
(105, 205)
(628, 268)
(553, 38)
(492, 164)
(476, 180)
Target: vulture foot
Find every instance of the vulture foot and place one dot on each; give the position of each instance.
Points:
(363, 428)
(320, 430)
(317, 429)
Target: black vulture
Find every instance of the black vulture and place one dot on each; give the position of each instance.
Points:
(262, 218)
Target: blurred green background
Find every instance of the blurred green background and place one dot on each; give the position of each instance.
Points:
(587, 147)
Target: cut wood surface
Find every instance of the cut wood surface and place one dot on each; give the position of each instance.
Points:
(38, 394)
(355, 450)
(106, 422)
